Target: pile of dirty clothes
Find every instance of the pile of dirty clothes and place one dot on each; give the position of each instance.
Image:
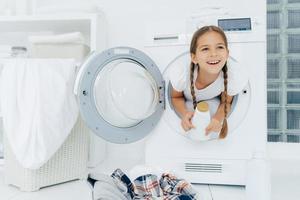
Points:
(118, 186)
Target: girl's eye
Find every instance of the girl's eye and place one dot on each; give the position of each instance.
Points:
(204, 49)
(220, 47)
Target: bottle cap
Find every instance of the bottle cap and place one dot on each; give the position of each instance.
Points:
(202, 106)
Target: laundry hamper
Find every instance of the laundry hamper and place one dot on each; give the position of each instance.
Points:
(68, 163)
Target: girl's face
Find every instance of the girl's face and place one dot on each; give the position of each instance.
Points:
(211, 52)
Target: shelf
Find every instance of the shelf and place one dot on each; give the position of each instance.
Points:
(59, 17)
(16, 29)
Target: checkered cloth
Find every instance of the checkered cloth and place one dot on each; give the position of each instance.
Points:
(148, 187)
(176, 189)
(121, 178)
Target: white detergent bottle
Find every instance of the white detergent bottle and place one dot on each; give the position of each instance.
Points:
(200, 120)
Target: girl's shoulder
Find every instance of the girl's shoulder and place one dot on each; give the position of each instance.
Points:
(237, 77)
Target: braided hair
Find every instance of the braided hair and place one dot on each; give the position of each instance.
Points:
(193, 48)
(192, 68)
(224, 129)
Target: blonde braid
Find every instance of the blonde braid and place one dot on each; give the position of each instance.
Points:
(224, 129)
(192, 68)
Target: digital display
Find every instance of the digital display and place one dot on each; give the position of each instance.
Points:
(236, 24)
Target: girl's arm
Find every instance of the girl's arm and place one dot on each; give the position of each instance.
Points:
(178, 102)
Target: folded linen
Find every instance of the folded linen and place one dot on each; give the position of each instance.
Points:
(38, 106)
(74, 37)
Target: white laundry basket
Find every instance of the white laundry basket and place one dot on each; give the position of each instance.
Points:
(68, 163)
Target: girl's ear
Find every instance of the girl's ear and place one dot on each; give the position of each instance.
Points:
(193, 58)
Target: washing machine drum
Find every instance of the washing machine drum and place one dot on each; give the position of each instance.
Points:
(125, 93)
(120, 94)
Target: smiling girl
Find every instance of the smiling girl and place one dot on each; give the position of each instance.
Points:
(211, 74)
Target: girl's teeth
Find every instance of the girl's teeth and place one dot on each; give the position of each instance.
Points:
(215, 62)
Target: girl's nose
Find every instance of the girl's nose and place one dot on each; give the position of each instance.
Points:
(213, 53)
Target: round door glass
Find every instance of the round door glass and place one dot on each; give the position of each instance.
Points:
(125, 93)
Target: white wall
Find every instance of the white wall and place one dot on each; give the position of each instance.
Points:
(128, 19)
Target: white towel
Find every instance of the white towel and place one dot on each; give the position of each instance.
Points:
(38, 106)
(74, 37)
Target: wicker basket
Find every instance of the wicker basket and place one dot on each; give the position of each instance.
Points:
(68, 163)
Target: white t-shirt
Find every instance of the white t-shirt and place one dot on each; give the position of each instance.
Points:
(237, 80)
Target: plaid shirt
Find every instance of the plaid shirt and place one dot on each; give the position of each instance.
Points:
(148, 187)
(122, 178)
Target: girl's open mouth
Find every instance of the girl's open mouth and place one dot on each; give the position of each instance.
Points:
(213, 62)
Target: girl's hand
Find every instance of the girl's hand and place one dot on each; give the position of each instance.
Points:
(214, 126)
(186, 122)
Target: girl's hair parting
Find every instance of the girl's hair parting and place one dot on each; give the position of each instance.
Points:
(193, 48)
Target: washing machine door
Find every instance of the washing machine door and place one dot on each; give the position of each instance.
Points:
(120, 94)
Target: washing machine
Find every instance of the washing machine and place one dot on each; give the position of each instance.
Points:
(124, 97)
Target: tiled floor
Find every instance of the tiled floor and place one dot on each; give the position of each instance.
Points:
(285, 179)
